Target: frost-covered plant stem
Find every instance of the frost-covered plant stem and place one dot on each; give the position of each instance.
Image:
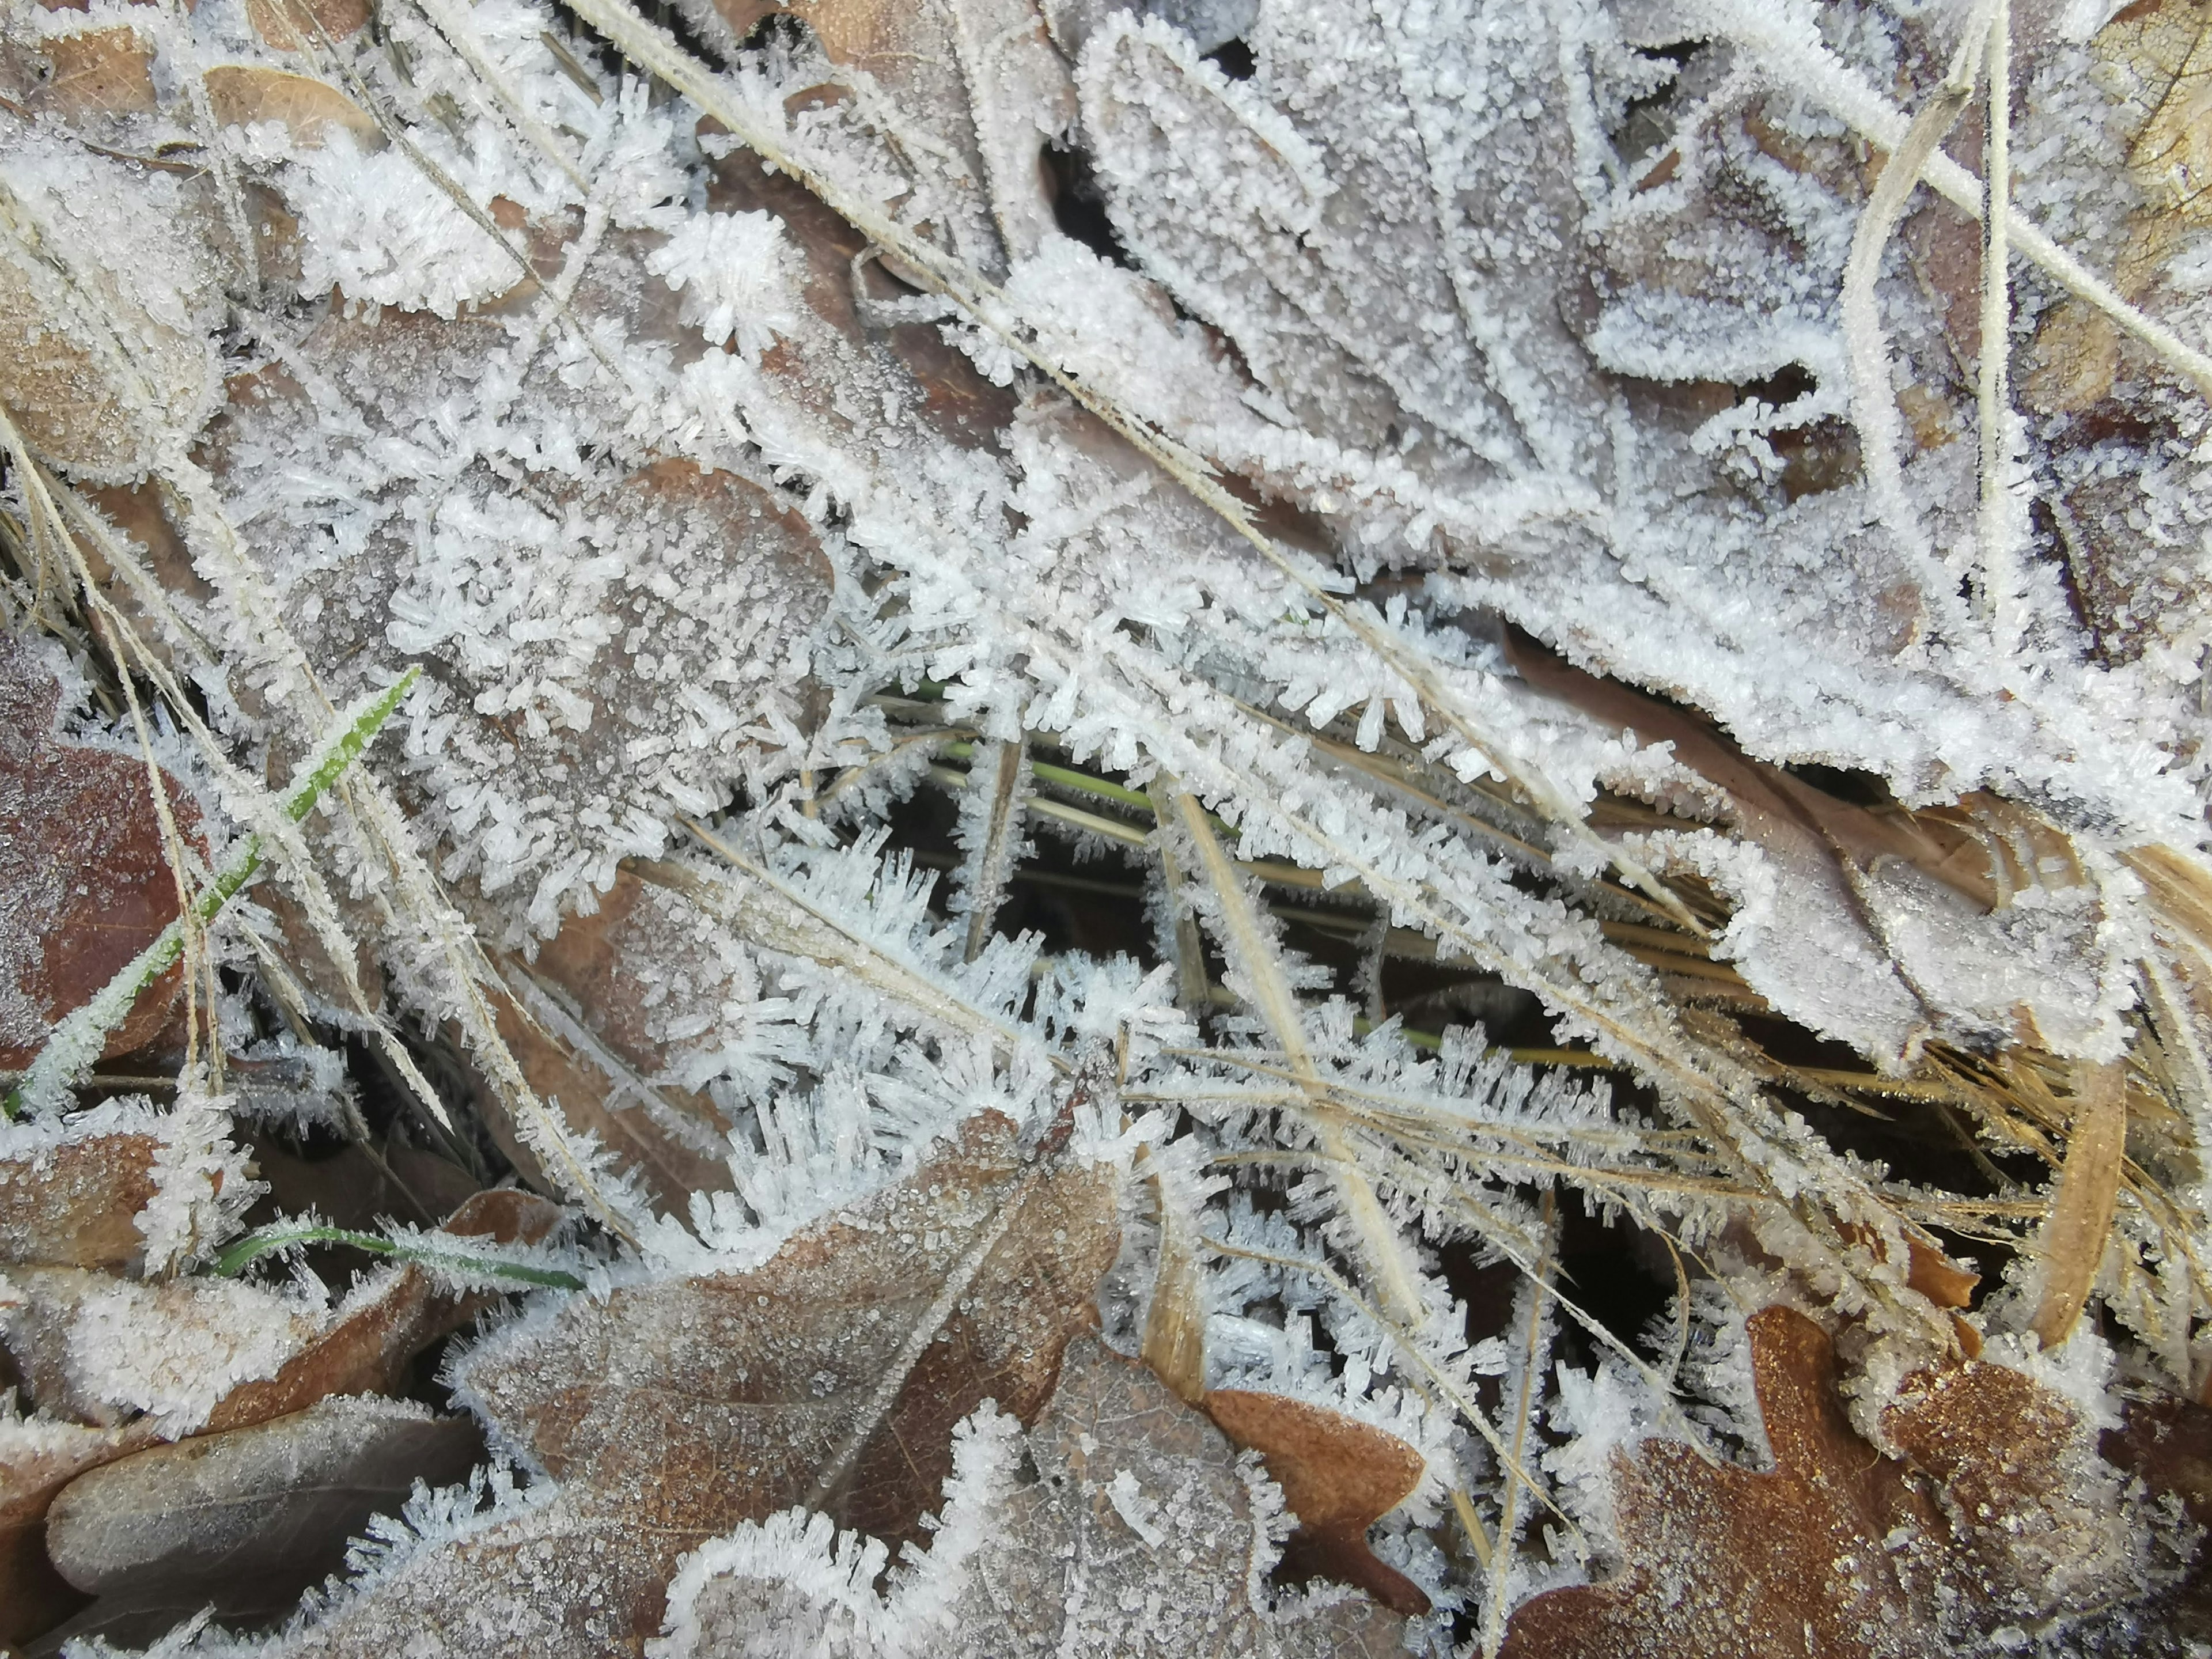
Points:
(465, 1265)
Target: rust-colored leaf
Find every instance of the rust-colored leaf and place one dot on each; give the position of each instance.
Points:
(2071, 1246)
(84, 883)
(2003, 1513)
(1339, 1476)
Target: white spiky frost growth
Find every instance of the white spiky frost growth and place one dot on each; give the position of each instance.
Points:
(559, 405)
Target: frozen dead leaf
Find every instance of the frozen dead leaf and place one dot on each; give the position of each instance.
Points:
(365, 1349)
(102, 1350)
(610, 1019)
(38, 1457)
(667, 1410)
(70, 1193)
(239, 94)
(982, 85)
(605, 644)
(1841, 1550)
(84, 880)
(300, 25)
(245, 1520)
(106, 361)
(2155, 58)
(1339, 1475)
(2072, 1247)
(99, 72)
(1122, 1523)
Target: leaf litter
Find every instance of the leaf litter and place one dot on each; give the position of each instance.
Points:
(1490, 658)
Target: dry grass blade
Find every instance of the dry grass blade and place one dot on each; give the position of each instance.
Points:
(2071, 1247)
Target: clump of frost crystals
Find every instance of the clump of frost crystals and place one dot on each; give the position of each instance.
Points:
(372, 231)
(201, 1191)
(731, 268)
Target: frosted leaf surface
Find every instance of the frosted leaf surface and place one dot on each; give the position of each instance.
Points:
(84, 879)
(103, 1349)
(668, 1409)
(1122, 1522)
(1839, 1548)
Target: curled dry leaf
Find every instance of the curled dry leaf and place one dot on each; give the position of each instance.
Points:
(84, 880)
(242, 1521)
(2001, 1513)
(1121, 1524)
(673, 1409)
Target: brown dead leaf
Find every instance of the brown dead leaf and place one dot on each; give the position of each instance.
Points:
(2072, 1245)
(981, 78)
(297, 25)
(242, 93)
(75, 1203)
(84, 883)
(38, 1459)
(99, 72)
(1339, 1476)
(669, 1410)
(956, 401)
(242, 1521)
(2002, 1513)
(1130, 1531)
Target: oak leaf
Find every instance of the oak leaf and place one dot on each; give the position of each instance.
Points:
(670, 1409)
(1998, 1513)
(1122, 1523)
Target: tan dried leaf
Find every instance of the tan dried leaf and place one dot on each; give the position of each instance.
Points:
(2071, 1247)
(98, 72)
(300, 25)
(242, 93)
